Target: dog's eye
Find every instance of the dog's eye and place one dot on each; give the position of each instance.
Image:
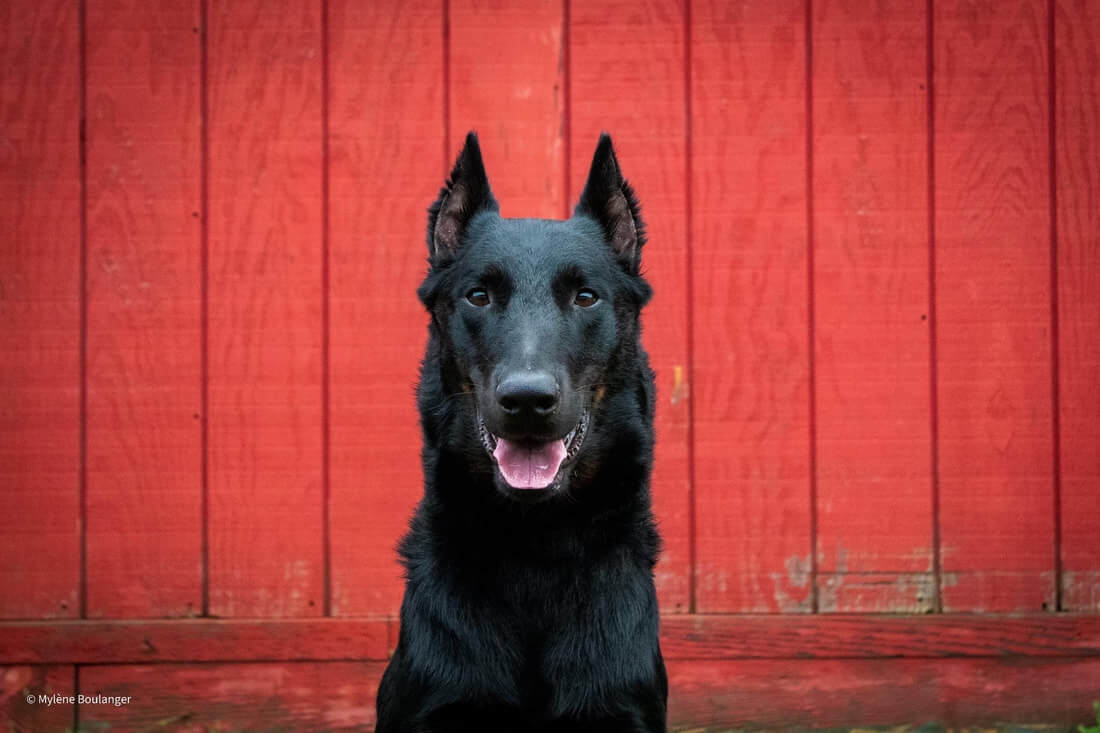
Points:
(585, 298)
(478, 297)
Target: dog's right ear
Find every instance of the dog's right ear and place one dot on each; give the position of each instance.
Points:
(466, 193)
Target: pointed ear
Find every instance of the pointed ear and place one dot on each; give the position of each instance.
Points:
(466, 193)
(610, 200)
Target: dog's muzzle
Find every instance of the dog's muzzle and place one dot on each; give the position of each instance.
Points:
(533, 464)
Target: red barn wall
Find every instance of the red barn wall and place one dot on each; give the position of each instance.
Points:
(875, 243)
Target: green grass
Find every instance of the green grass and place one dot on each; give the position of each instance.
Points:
(1092, 728)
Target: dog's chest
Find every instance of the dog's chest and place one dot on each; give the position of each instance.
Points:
(584, 628)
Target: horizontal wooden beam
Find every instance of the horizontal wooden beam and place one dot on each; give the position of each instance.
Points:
(844, 636)
(193, 640)
(704, 695)
(683, 637)
(1007, 695)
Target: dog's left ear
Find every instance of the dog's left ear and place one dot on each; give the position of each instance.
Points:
(610, 200)
(465, 194)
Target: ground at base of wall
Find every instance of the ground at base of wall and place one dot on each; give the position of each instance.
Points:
(180, 723)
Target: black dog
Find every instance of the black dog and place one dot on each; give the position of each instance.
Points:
(529, 599)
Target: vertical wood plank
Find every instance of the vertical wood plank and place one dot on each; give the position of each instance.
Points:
(750, 326)
(40, 309)
(144, 342)
(20, 715)
(265, 144)
(302, 696)
(870, 188)
(1077, 61)
(993, 306)
(386, 117)
(627, 77)
(506, 73)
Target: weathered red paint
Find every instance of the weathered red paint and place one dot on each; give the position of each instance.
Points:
(684, 637)
(874, 242)
(626, 76)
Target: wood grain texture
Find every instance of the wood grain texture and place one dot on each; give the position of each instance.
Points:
(206, 640)
(825, 636)
(299, 697)
(870, 189)
(506, 81)
(1077, 60)
(767, 695)
(750, 330)
(683, 637)
(993, 306)
(40, 309)
(704, 696)
(17, 715)
(265, 300)
(627, 78)
(144, 341)
(386, 122)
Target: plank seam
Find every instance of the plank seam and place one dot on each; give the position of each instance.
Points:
(204, 301)
(446, 15)
(690, 307)
(1056, 398)
(296, 660)
(792, 657)
(82, 436)
(810, 311)
(326, 412)
(76, 692)
(934, 419)
(567, 107)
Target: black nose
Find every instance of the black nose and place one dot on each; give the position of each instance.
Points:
(528, 393)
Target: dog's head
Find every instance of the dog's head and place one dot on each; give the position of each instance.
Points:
(532, 321)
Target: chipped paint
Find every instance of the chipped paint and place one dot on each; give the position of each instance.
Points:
(1001, 425)
(13, 680)
(791, 591)
(798, 570)
(1081, 591)
(881, 592)
(679, 391)
(1001, 591)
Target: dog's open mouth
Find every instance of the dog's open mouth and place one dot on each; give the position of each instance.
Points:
(529, 464)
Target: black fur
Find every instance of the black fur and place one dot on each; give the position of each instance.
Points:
(532, 609)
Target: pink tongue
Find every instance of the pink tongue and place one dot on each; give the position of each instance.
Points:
(527, 466)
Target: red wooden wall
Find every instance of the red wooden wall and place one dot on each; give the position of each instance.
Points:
(875, 242)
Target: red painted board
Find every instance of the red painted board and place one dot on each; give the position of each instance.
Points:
(40, 309)
(627, 77)
(704, 696)
(801, 695)
(144, 330)
(506, 71)
(993, 306)
(873, 403)
(264, 339)
(195, 640)
(1077, 162)
(385, 163)
(749, 307)
(303, 697)
(29, 699)
(683, 636)
(855, 636)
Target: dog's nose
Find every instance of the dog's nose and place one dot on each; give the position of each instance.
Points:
(528, 393)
